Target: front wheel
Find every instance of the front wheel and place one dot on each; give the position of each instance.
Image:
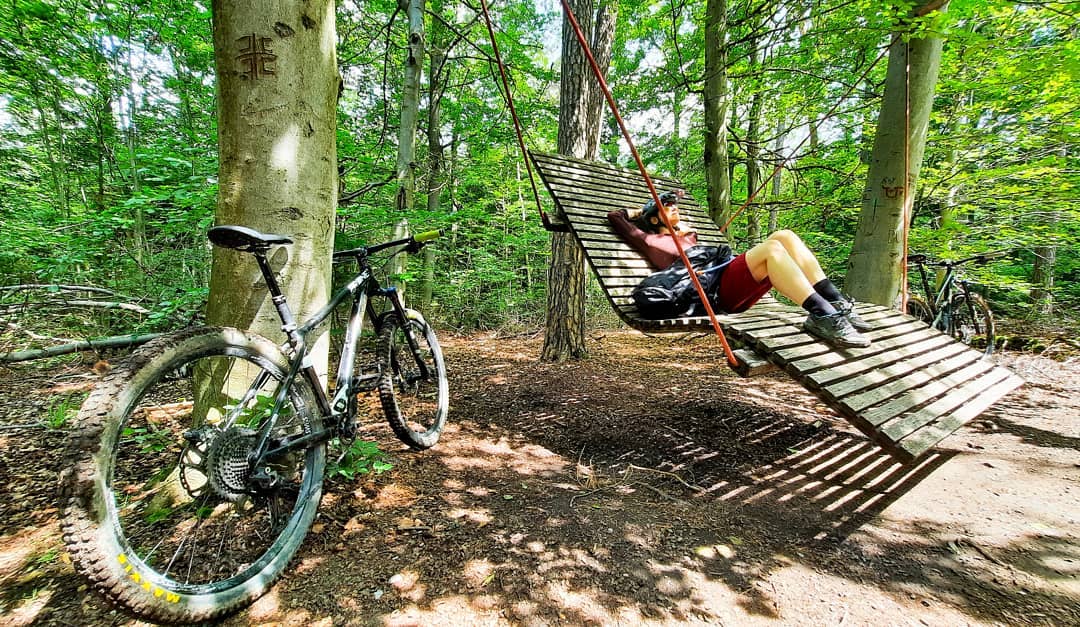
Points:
(918, 308)
(161, 510)
(412, 386)
(972, 323)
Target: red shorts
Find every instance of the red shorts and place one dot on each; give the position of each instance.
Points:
(738, 288)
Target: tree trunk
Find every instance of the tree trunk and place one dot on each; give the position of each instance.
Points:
(777, 180)
(277, 88)
(753, 169)
(717, 101)
(874, 267)
(579, 132)
(410, 104)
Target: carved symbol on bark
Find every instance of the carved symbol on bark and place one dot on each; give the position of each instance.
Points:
(256, 56)
(890, 189)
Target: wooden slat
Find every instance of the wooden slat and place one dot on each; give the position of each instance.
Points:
(921, 440)
(907, 391)
(966, 388)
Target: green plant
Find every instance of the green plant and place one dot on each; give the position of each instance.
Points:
(360, 458)
(61, 412)
(151, 440)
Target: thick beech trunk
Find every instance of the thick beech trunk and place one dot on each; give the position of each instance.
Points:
(717, 110)
(277, 101)
(874, 267)
(580, 106)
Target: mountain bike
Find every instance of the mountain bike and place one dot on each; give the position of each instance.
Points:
(197, 466)
(954, 309)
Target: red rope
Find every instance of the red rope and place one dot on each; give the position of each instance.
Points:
(513, 114)
(729, 355)
(908, 201)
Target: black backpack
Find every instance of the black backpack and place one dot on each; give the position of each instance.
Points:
(670, 293)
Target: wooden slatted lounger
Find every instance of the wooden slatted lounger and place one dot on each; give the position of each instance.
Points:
(909, 390)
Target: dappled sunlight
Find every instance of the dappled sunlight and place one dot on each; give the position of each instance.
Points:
(284, 154)
(18, 550)
(440, 610)
(29, 611)
(524, 459)
(479, 517)
(408, 586)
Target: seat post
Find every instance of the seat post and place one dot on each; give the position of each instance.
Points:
(288, 323)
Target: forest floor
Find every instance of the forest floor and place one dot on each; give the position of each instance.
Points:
(644, 485)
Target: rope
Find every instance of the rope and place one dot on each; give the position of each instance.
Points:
(908, 201)
(517, 123)
(728, 354)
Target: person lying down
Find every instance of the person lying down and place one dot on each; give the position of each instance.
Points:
(734, 283)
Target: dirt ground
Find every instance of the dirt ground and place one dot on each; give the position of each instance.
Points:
(645, 485)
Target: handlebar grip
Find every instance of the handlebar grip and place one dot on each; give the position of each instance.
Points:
(427, 236)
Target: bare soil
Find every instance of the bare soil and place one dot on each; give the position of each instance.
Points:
(644, 485)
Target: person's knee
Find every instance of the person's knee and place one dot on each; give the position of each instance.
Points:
(773, 249)
(785, 237)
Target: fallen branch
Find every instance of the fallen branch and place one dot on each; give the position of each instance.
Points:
(34, 336)
(65, 302)
(117, 341)
(56, 286)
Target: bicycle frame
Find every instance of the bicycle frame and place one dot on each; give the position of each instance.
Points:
(941, 304)
(361, 288)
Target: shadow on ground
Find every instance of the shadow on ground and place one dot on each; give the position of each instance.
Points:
(643, 485)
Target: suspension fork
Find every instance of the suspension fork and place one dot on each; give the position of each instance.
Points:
(391, 294)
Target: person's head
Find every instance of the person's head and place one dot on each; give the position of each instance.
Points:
(648, 217)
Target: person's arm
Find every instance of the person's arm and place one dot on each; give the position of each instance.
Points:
(649, 246)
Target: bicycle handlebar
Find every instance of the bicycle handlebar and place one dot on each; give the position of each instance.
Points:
(412, 243)
(981, 258)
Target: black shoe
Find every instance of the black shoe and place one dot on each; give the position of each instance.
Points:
(846, 306)
(835, 329)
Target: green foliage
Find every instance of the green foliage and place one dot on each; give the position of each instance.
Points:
(63, 411)
(108, 142)
(359, 458)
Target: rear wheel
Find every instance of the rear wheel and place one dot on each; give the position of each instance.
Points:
(161, 509)
(972, 323)
(414, 395)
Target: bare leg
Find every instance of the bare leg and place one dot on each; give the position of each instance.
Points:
(771, 259)
(803, 257)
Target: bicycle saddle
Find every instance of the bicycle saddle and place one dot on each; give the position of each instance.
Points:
(244, 239)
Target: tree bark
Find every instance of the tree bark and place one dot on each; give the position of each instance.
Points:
(874, 267)
(277, 88)
(410, 104)
(717, 101)
(580, 102)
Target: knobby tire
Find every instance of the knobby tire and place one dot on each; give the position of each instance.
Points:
(415, 406)
(157, 519)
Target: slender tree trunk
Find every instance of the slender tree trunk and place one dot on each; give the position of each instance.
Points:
(1042, 278)
(677, 95)
(579, 124)
(717, 105)
(777, 175)
(874, 267)
(410, 104)
(753, 136)
(410, 115)
(277, 88)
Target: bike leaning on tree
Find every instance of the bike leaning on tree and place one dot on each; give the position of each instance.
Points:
(953, 307)
(197, 466)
